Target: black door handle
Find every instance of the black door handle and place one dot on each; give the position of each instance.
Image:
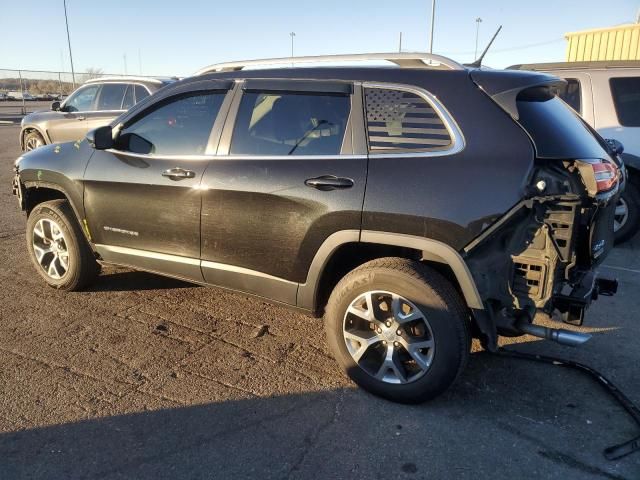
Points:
(178, 174)
(329, 182)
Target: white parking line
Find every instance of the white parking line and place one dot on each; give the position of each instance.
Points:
(6, 122)
(632, 270)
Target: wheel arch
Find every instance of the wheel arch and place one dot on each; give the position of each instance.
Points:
(32, 128)
(341, 249)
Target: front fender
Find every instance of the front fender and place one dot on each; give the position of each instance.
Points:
(59, 167)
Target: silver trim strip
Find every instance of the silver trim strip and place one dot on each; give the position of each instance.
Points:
(148, 254)
(403, 60)
(116, 78)
(457, 139)
(244, 271)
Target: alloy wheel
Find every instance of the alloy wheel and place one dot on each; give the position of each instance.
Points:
(388, 337)
(32, 143)
(621, 214)
(50, 248)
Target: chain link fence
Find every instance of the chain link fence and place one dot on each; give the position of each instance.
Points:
(23, 91)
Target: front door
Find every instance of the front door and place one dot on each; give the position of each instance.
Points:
(142, 198)
(284, 180)
(71, 121)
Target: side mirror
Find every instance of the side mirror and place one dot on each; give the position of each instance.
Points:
(101, 138)
(615, 145)
(55, 106)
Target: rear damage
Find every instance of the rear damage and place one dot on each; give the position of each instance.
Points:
(543, 254)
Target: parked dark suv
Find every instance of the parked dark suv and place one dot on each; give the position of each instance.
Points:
(412, 206)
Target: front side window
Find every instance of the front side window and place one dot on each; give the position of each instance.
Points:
(82, 100)
(626, 98)
(290, 124)
(403, 121)
(111, 96)
(180, 126)
(570, 93)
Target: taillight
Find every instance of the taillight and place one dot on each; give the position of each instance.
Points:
(598, 175)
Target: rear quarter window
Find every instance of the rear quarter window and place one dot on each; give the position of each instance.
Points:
(399, 120)
(570, 93)
(626, 98)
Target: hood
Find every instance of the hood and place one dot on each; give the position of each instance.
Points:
(40, 116)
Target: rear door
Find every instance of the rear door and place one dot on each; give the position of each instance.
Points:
(285, 178)
(143, 197)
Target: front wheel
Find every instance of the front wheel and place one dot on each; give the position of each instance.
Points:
(57, 247)
(398, 329)
(33, 140)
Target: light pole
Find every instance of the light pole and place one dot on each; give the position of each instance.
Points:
(478, 22)
(433, 19)
(66, 21)
(292, 34)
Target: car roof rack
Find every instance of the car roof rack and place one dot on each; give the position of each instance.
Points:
(582, 65)
(403, 60)
(124, 78)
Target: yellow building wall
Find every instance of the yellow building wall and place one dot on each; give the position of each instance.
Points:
(615, 43)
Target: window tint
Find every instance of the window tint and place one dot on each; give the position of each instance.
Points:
(111, 95)
(141, 93)
(82, 99)
(398, 120)
(570, 93)
(128, 101)
(626, 97)
(180, 127)
(556, 130)
(290, 124)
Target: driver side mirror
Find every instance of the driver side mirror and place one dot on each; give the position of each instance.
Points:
(101, 138)
(55, 106)
(615, 145)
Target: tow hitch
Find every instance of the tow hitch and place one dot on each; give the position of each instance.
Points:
(611, 453)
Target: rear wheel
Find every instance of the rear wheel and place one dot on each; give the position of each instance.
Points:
(398, 329)
(33, 140)
(627, 214)
(57, 247)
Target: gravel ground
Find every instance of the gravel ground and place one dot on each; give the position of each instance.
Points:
(147, 377)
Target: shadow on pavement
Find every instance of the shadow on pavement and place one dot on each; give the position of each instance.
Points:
(520, 415)
(125, 281)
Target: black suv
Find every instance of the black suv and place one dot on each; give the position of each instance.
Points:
(412, 205)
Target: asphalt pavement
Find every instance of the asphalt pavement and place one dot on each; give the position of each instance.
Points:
(147, 377)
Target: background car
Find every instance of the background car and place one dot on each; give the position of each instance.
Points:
(96, 103)
(607, 95)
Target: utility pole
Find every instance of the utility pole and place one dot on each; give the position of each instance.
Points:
(400, 44)
(292, 34)
(124, 58)
(433, 19)
(478, 22)
(139, 62)
(66, 21)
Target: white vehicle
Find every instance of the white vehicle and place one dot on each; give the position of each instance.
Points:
(607, 95)
(18, 95)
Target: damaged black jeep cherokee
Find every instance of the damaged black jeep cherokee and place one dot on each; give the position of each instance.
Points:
(412, 205)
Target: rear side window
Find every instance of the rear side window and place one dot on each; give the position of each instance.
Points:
(141, 93)
(180, 126)
(287, 123)
(111, 96)
(570, 93)
(403, 121)
(626, 98)
(556, 130)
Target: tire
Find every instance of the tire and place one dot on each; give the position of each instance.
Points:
(420, 291)
(33, 140)
(52, 228)
(627, 223)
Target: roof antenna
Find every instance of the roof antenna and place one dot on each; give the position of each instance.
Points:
(478, 62)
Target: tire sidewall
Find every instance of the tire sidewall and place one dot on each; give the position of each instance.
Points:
(447, 326)
(632, 199)
(48, 211)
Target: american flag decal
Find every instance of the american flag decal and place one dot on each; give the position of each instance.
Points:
(398, 120)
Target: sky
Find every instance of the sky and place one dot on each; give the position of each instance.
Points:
(163, 37)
